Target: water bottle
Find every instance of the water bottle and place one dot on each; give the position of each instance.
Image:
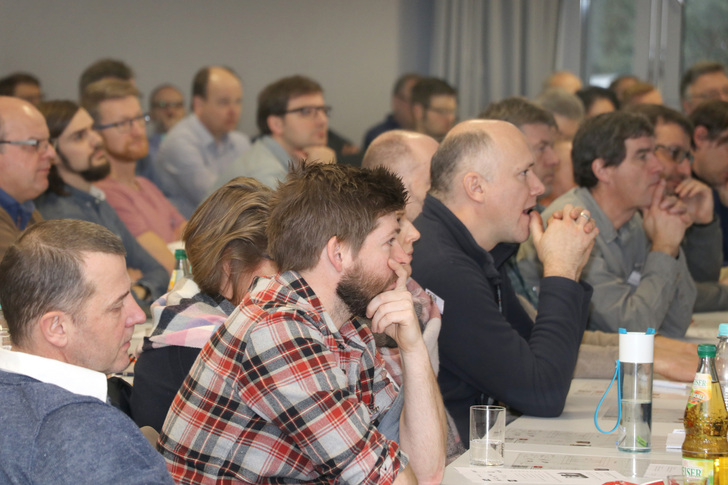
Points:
(721, 360)
(636, 351)
(181, 268)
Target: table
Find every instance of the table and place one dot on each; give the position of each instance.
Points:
(571, 441)
(704, 328)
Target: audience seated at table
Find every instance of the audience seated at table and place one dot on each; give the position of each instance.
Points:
(226, 246)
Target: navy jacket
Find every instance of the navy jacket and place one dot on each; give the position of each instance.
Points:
(490, 350)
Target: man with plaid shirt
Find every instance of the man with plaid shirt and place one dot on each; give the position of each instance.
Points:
(291, 389)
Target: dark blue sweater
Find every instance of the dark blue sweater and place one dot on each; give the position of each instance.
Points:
(491, 351)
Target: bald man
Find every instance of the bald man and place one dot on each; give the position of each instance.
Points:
(407, 154)
(480, 207)
(25, 159)
(565, 80)
(196, 151)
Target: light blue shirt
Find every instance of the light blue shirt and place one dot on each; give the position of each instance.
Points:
(189, 161)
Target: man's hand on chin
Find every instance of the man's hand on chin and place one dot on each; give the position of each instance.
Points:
(393, 313)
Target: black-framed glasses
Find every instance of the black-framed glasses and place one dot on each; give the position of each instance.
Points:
(125, 126)
(676, 154)
(311, 111)
(39, 145)
(168, 104)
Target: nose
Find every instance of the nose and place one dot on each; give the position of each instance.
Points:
(655, 165)
(136, 314)
(94, 138)
(550, 156)
(411, 234)
(399, 254)
(50, 152)
(536, 187)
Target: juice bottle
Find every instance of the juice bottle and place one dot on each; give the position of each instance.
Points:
(705, 449)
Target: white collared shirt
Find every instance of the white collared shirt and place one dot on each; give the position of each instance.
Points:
(75, 379)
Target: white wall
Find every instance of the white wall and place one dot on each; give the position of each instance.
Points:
(353, 49)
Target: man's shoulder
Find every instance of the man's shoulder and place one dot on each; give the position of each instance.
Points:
(184, 135)
(77, 430)
(573, 196)
(53, 206)
(49, 404)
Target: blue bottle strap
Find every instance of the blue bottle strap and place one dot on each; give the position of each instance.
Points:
(617, 375)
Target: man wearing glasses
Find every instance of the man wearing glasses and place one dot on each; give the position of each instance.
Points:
(166, 109)
(25, 159)
(702, 243)
(434, 107)
(710, 141)
(293, 120)
(637, 268)
(150, 217)
(196, 151)
(704, 81)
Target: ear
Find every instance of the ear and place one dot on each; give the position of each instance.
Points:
(418, 111)
(197, 104)
(474, 186)
(275, 124)
(335, 252)
(601, 172)
(700, 137)
(54, 328)
(226, 285)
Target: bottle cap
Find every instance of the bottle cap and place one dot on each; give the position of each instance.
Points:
(636, 347)
(706, 350)
(180, 254)
(723, 330)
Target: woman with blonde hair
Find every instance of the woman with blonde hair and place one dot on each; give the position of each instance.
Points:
(226, 246)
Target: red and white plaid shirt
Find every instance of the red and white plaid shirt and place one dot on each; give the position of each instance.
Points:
(278, 395)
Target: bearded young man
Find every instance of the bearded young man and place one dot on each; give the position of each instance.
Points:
(291, 387)
(150, 217)
(72, 194)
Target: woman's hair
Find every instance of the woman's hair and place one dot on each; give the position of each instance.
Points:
(228, 226)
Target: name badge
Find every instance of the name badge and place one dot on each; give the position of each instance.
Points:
(634, 278)
(438, 301)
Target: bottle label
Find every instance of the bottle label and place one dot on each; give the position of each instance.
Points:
(701, 390)
(698, 468)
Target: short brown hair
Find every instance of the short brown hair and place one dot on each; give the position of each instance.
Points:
(604, 136)
(104, 69)
(99, 91)
(518, 111)
(453, 152)
(43, 271)
(274, 98)
(697, 70)
(229, 225)
(713, 116)
(317, 202)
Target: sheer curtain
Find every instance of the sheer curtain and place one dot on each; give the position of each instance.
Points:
(491, 49)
